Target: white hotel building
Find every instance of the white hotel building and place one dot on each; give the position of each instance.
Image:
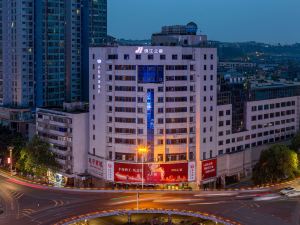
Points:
(166, 97)
(162, 97)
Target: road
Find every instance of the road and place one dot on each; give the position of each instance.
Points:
(26, 205)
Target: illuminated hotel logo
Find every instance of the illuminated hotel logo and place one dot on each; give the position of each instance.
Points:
(99, 61)
(141, 50)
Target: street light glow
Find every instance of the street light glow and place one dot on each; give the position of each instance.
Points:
(142, 149)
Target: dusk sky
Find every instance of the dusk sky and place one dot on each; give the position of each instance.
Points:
(270, 21)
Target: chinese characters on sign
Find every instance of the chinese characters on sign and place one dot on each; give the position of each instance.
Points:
(153, 173)
(96, 166)
(209, 169)
(192, 171)
(110, 171)
(141, 50)
(99, 61)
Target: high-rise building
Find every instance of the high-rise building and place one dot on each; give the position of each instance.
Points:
(62, 56)
(44, 53)
(158, 115)
(158, 98)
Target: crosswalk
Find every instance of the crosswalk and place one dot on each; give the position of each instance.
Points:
(27, 212)
(16, 195)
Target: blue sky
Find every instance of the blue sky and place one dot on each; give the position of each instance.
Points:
(270, 21)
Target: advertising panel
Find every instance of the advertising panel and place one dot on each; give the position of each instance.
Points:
(152, 174)
(192, 171)
(209, 169)
(110, 171)
(96, 166)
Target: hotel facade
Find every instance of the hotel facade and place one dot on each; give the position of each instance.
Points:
(159, 114)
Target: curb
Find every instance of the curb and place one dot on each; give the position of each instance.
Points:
(95, 190)
(97, 214)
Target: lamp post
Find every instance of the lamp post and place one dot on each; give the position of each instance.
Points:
(142, 151)
(11, 159)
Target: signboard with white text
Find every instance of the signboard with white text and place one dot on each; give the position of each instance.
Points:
(110, 171)
(96, 166)
(192, 171)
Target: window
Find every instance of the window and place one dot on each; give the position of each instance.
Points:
(221, 113)
(211, 56)
(111, 57)
(204, 56)
(126, 57)
(160, 142)
(150, 74)
(160, 99)
(187, 57)
(150, 57)
(162, 57)
(174, 57)
(138, 57)
(160, 120)
(160, 110)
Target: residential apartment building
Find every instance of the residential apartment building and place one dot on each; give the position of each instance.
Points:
(44, 54)
(66, 130)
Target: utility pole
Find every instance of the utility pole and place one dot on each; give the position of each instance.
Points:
(11, 159)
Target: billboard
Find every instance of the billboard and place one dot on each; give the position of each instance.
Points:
(153, 173)
(96, 166)
(192, 171)
(209, 169)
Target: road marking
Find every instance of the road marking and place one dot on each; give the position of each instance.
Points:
(27, 212)
(207, 203)
(215, 194)
(16, 195)
(58, 203)
(176, 200)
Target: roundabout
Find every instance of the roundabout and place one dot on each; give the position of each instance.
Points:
(204, 218)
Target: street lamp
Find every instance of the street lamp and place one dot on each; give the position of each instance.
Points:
(10, 148)
(142, 151)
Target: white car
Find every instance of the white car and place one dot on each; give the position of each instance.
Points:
(287, 190)
(293, 194)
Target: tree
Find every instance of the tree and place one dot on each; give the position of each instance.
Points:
(295, 143)
(36, 158)
(276, 164)
(9, 138)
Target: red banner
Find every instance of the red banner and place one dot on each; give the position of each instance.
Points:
(209, 169)
(152, 174)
